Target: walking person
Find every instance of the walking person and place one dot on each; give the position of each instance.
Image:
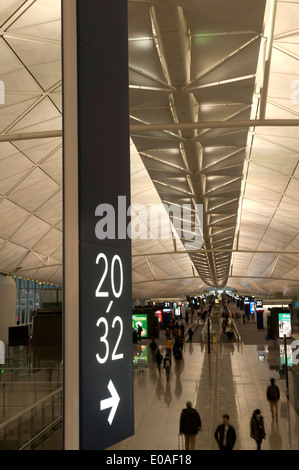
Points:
(159, 360)
(225, 434)
(168, 346)
(190, 424)
(177, 353)
(167, 366)
(153, 348)
(273, 396)
(230, 334)
(190, 334)
(139, 331)
(257, 428)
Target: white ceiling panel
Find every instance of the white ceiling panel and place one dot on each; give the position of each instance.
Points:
(12, 170)
(12, 217)
(36, 183)
(38, 150)
(30, 232)
(193, 61)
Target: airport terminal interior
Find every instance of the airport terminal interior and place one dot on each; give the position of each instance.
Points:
(213, 113)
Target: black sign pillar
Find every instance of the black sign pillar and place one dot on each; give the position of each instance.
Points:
(259, 308)
(97, 248)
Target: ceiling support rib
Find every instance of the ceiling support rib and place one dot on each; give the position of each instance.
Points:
(167, 126)
(216, 125)
(30, 136)
(217, 250)
(267, 65)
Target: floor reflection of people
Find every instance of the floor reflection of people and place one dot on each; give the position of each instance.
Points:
(159, 388)
(274, 438)
(167, 394)
(178, 386)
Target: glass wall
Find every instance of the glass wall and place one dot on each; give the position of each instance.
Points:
(29, 298)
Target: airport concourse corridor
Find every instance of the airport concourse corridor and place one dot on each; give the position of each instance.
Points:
(231, 379)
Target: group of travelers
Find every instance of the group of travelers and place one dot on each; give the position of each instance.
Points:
(174, 328)
(236, 316)
(158, 358)
(190, 421)
(173, 350)
(175, 340)
(225, 434)
(227, 330)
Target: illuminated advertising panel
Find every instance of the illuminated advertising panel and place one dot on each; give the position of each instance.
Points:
(177, 311)
(140, 359)
(289, 355)
(158, 314)
(140, 320)
(284, 324)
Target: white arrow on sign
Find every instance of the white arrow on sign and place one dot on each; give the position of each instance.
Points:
(111, 402)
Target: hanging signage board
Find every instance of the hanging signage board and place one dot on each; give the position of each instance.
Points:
(103, 186)
(259, 305)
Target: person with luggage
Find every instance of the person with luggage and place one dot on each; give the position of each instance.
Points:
(190, 424)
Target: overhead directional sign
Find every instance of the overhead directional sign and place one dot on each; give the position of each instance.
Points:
(259, 305)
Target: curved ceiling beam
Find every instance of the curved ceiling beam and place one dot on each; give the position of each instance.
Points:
(215, 125)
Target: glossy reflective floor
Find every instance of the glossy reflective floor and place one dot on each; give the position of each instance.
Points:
(231, 379)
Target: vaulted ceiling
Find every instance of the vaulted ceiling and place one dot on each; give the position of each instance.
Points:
(200, 73)
(31, 170)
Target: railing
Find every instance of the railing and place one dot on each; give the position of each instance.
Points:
(17, 431)
(43, 435)
(193, 327)
(215, 328)
(236, 331)
(204, 331)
